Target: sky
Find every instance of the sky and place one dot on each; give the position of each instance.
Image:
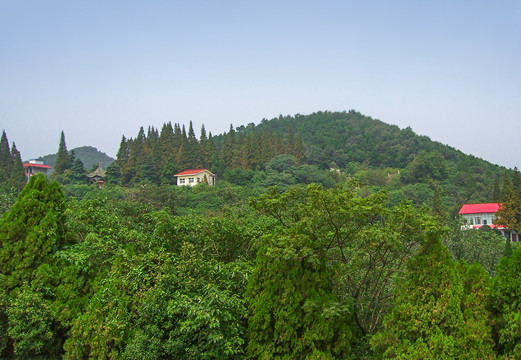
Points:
(98, 70)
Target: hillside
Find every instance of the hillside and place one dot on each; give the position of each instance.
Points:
(87, 154)
(382, 156)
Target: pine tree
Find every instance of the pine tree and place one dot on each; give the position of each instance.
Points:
(17, 176)
(6, 160)
(166, 141)
(123, 152)
(63, 160)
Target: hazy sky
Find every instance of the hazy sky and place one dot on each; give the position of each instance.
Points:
(101, 69)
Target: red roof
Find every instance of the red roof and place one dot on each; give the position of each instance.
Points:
(190, 172)
(42, 166)
(479, 208)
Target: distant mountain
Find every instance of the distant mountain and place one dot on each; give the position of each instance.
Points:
(87, 154)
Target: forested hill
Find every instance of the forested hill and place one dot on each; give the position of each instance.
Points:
(343, 137)
(87, 154)
(380, 155)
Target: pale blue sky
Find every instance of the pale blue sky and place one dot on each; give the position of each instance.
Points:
(101, 69)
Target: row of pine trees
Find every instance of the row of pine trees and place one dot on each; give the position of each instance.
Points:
(155, 156)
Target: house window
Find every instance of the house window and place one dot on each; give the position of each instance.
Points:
(198, 180)
(484, 221)
(191, 180)
(181, 181)
(478, 221)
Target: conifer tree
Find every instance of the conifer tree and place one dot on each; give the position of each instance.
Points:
(113, 173)
(432, 317)
(212, 155)
(123, 152)
(166, 141)
(17, 176)
(63, 160)
(32, 230)
(78, 173)
(6, 160)
(506, 307)
(294, 313)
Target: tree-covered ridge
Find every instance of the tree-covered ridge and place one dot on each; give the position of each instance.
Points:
(155, 156)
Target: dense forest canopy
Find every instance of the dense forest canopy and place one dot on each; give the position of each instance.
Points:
(326, 236)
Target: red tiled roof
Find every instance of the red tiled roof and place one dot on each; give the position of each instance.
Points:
(190, 172)
(479, 208)
(26, 165)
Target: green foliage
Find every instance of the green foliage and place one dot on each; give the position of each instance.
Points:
(64, 160)
(32, 230)
(294, 312)
(505, 306)
(369, 242)
(509, 214)
(426, 167)
(30, 321)
(195, 312)
(439, 312)
(482, 246)
(12, 174)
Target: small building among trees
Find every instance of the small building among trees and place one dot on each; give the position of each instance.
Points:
(479, 215)
(96, 177)
(33, 167)
(194, 177)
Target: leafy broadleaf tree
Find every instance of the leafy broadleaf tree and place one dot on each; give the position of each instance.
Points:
(369, 242)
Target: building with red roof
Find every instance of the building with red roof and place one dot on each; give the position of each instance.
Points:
(477, 215)
(195, 176)
(33, 167)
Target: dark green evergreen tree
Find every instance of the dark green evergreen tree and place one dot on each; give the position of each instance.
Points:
(17, 176)
(168, 171)
(64, 160)
(506, 307)
(113, 173)
(6, 160)
(433, 317)
(293, 311)
(32, 230)
(78, 173)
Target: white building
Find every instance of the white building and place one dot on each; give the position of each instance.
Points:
(478, 215)
(194, 177)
